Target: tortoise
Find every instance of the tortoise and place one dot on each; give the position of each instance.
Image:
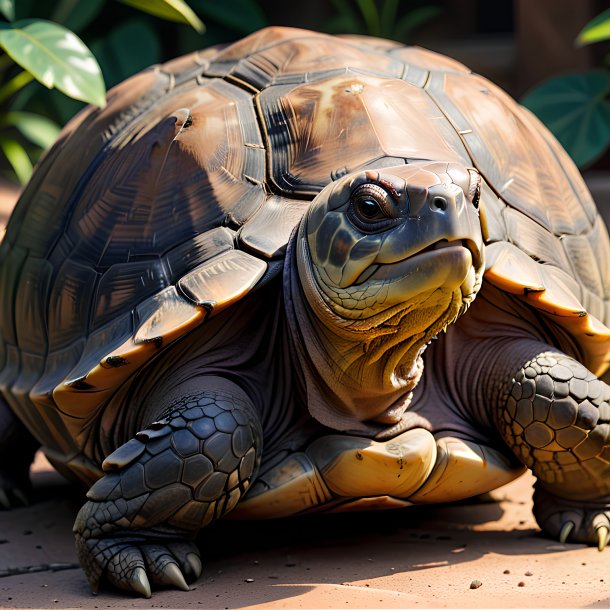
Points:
(247, 285)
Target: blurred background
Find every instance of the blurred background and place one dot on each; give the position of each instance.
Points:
(518, 44)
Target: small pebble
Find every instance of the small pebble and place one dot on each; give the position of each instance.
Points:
(249, 580)
(521, 584)
(475, 584)
(506, 572)
(528, 573)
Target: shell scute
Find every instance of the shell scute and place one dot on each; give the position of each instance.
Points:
(124, 285)
(222, 280)
(509, 151)
(163, 315)
(267, 233)
(311, 126)
(191, 253)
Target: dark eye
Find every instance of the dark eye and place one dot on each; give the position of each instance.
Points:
(369, 208)
(371, 203)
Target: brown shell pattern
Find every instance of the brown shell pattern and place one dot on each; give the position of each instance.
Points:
(179, 197)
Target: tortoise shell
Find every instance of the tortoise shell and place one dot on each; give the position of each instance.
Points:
(178, 198)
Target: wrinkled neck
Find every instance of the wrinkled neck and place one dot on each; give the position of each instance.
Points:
(359, 374)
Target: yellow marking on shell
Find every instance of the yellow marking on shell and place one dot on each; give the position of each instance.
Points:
(354, 467)
(510, 269)
(335, 467)
(464, 469)
(291, 487)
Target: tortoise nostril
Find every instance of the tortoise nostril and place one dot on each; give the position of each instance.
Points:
(438, 204)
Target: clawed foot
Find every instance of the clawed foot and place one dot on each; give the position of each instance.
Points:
(573, 521)
(133, 561)
(13, 497)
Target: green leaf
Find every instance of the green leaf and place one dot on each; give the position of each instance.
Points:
(56, 57)
(18, 158)
(242, 16)
(172, 10)
(576, 109)
(7, 8)
(38, 129)
(127, 49)
(347, 20)
(388, 16)
(596, 30)
(76, 15)
(414, 20)
(369, 11)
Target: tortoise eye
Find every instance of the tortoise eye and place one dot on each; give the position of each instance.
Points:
(369, 208)
(371, 203)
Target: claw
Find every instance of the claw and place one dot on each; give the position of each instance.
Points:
(21, 496)
(173, 575)
(566, 530)
(4, 501)
(602, 537)
(139, 582)
(195, 564)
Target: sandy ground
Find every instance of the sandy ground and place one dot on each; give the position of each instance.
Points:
(409, 558)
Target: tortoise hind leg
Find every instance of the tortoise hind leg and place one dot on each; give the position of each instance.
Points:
(17, 449)
(555, 416)
(180, 473)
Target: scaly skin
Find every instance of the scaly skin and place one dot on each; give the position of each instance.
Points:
(183, 471)
(556, 419)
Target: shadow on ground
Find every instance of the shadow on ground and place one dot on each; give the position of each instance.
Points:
(416, 557)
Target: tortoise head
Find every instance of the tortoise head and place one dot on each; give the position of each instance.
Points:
(395, 241)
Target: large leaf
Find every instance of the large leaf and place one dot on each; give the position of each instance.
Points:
(577, 110)
(127, 49)
(18, 158)
(7, 8)
(596, 30)
(76, 14)
(172, 10)
(56, 57)
(38, 129)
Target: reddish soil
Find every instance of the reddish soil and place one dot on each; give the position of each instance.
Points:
(409, 558)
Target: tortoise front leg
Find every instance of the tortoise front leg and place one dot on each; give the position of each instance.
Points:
(555, 416)
(183, 471)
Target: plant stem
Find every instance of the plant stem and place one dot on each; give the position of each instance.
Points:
(15, 84)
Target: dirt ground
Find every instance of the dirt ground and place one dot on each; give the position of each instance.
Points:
(409, 558)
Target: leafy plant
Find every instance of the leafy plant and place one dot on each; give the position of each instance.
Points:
(576, 107)
(50, 53)
(383, 18)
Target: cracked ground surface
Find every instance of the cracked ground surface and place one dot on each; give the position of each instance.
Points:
(411, 558)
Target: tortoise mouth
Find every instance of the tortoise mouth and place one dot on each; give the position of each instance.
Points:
(443, 249)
